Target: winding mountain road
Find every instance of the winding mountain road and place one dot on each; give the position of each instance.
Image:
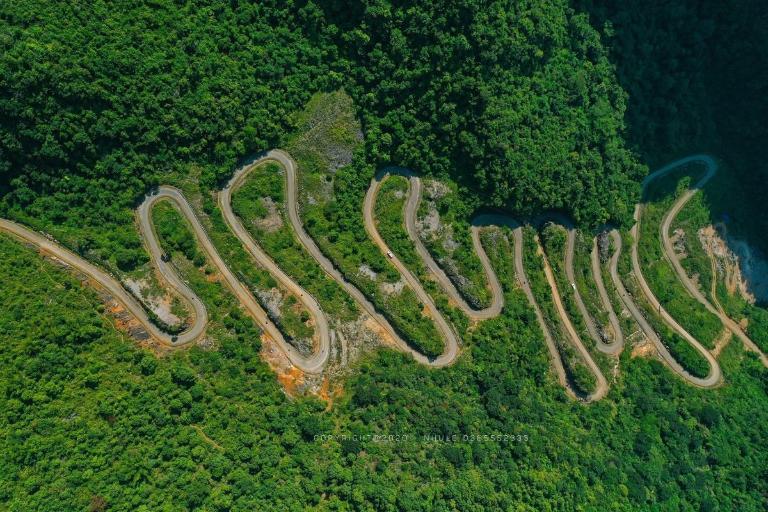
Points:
(315, 362)
(292, 206)
(617, 344)
(497, 302)
(601, 387)
(591, 324)
(714, 376)
(671, 257)
(312, 364)
(450, 337)
(410, 210)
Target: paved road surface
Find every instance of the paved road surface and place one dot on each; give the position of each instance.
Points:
(669, 252)
(714, 376)
(316, 362)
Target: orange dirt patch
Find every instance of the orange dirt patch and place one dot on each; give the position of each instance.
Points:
(291, 380)
(128, 325)
(383, 335)
(272, 354)
(328, 392)
(115, 309)
(643, 350)
(325, 391)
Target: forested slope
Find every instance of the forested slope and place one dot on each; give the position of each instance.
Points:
(697, 77)
(100, 100)
(516, 98)
(88, 421)
(518, 102)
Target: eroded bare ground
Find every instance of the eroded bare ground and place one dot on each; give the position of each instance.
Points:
(327, 114)
(390, 289)
(744, 272)
(351, 341)
(739, 266)
(161, 304)
(273, 220)
(643, 348)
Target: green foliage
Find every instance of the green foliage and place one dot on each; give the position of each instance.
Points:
(516, 100)
(575, 367)
(700, 323)
(279, 241)
(388, 213)
(100, 101)
(758, 327)
(175, 234)
(518, 103)
(90, 419)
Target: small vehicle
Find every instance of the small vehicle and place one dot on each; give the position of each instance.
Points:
(390, 255)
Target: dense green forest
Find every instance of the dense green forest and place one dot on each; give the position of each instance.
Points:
(526, 105)
(98, 101)
(90, 422)
(697, 78)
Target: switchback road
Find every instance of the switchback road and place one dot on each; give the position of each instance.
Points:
(315, 362)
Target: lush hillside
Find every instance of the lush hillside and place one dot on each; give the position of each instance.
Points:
(696, 74)
(100, 100)
(517, 104)
(90, 422)
(517, 98)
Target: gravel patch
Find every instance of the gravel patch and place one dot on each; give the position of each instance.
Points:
(159, 305)
(392, 288)
(429, 226)
(366, 271)
(272, 221)
(435, 190)
(272, 301)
